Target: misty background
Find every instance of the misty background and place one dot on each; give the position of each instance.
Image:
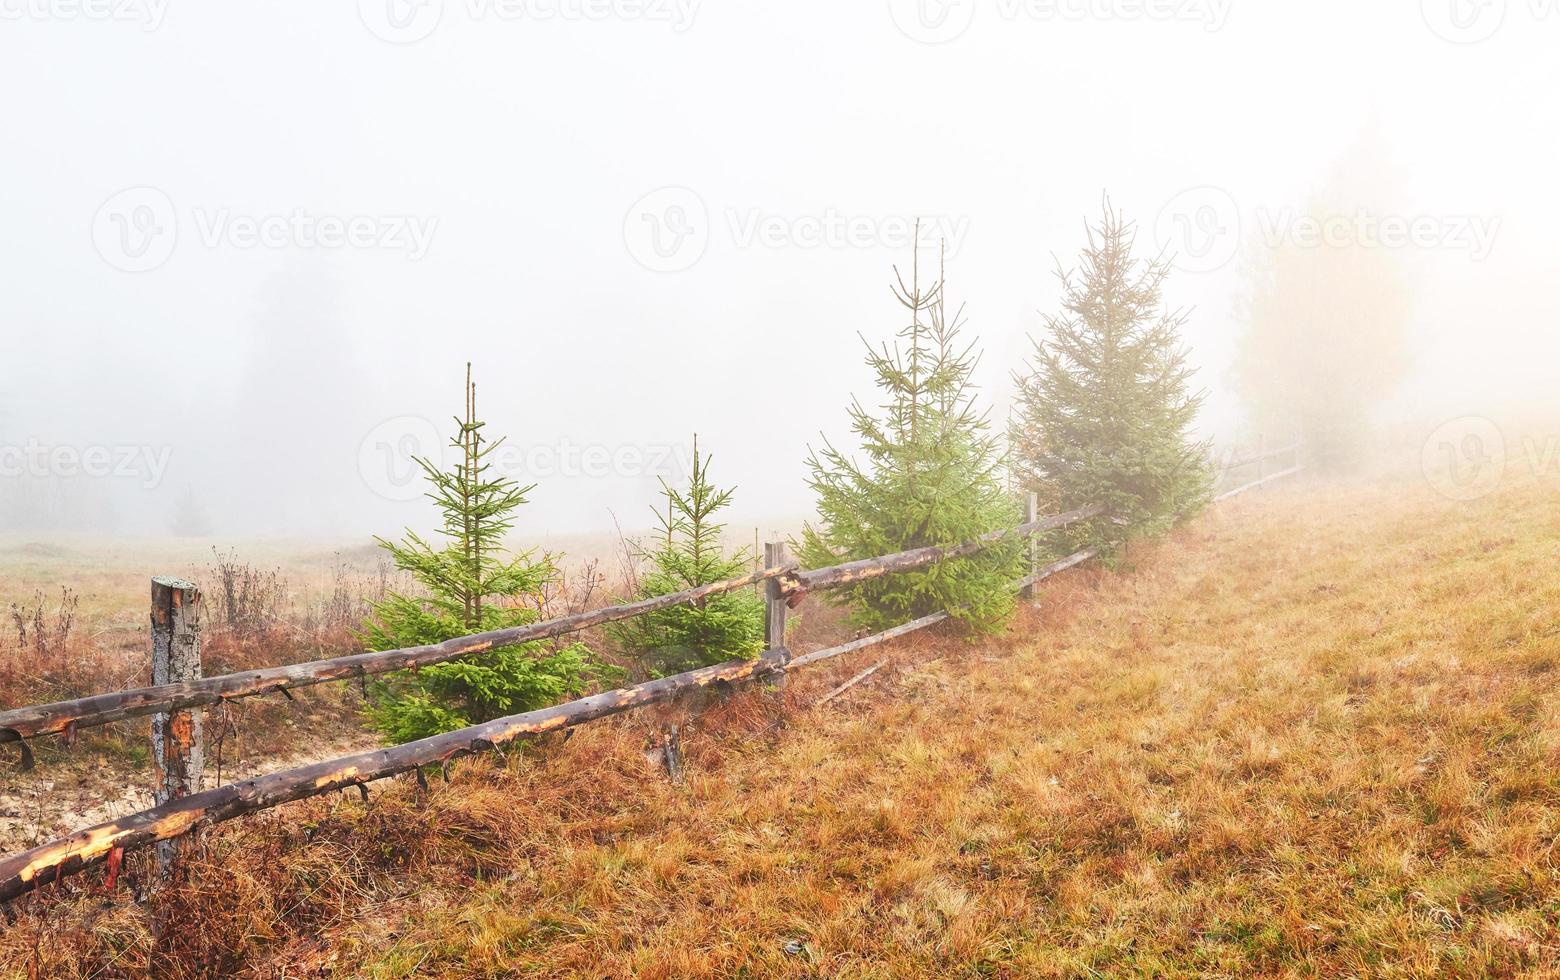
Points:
(250, 247)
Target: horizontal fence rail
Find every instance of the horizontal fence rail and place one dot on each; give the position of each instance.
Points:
(66, 717)
(1292, 471)
(1262, 480)
(1060, 565)
(867, 568)
(24, 872)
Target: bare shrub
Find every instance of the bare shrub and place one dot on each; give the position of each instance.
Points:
(247, 601)
(48, 656)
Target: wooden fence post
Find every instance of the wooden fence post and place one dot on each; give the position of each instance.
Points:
(178, 750)
(1032, 514)
(774, 603)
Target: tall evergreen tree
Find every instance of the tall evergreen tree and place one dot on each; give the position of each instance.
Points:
(470, 584)
(722, 627)
(1103, 413)
(932, 476)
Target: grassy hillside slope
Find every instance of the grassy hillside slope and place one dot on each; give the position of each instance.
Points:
(1314, 733)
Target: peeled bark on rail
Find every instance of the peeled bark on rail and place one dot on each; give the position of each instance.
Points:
(100, 709)
(904, 561)
(21, 873)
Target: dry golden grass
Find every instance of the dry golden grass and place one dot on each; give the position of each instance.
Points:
(1313, 734)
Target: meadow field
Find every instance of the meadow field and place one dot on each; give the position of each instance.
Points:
(1314, 732)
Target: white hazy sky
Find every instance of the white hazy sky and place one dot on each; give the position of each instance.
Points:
(508, 171)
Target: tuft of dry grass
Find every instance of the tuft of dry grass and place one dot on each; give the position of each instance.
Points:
(1313, 733)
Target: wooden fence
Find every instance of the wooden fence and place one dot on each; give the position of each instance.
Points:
(1260, 459)
(177, 690)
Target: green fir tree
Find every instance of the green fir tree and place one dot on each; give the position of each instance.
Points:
(1103, 413)
(932, 476)
(722, 627)
(469, 584)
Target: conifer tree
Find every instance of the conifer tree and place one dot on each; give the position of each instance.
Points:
(469, 584)
(723, 627)
(932, 475)
(1103, 412)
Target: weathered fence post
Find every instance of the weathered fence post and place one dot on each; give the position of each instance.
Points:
(178, 750)
(774, 603)
(1032, 541)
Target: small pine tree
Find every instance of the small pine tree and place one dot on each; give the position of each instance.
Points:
(723, 627)
(470, 585)
(1103, 414)
(933, 476)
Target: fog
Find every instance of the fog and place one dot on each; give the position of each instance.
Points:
(250, 247)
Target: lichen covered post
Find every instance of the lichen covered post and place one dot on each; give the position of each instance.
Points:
(1031, 515)
(178, 750)
(775, 601)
